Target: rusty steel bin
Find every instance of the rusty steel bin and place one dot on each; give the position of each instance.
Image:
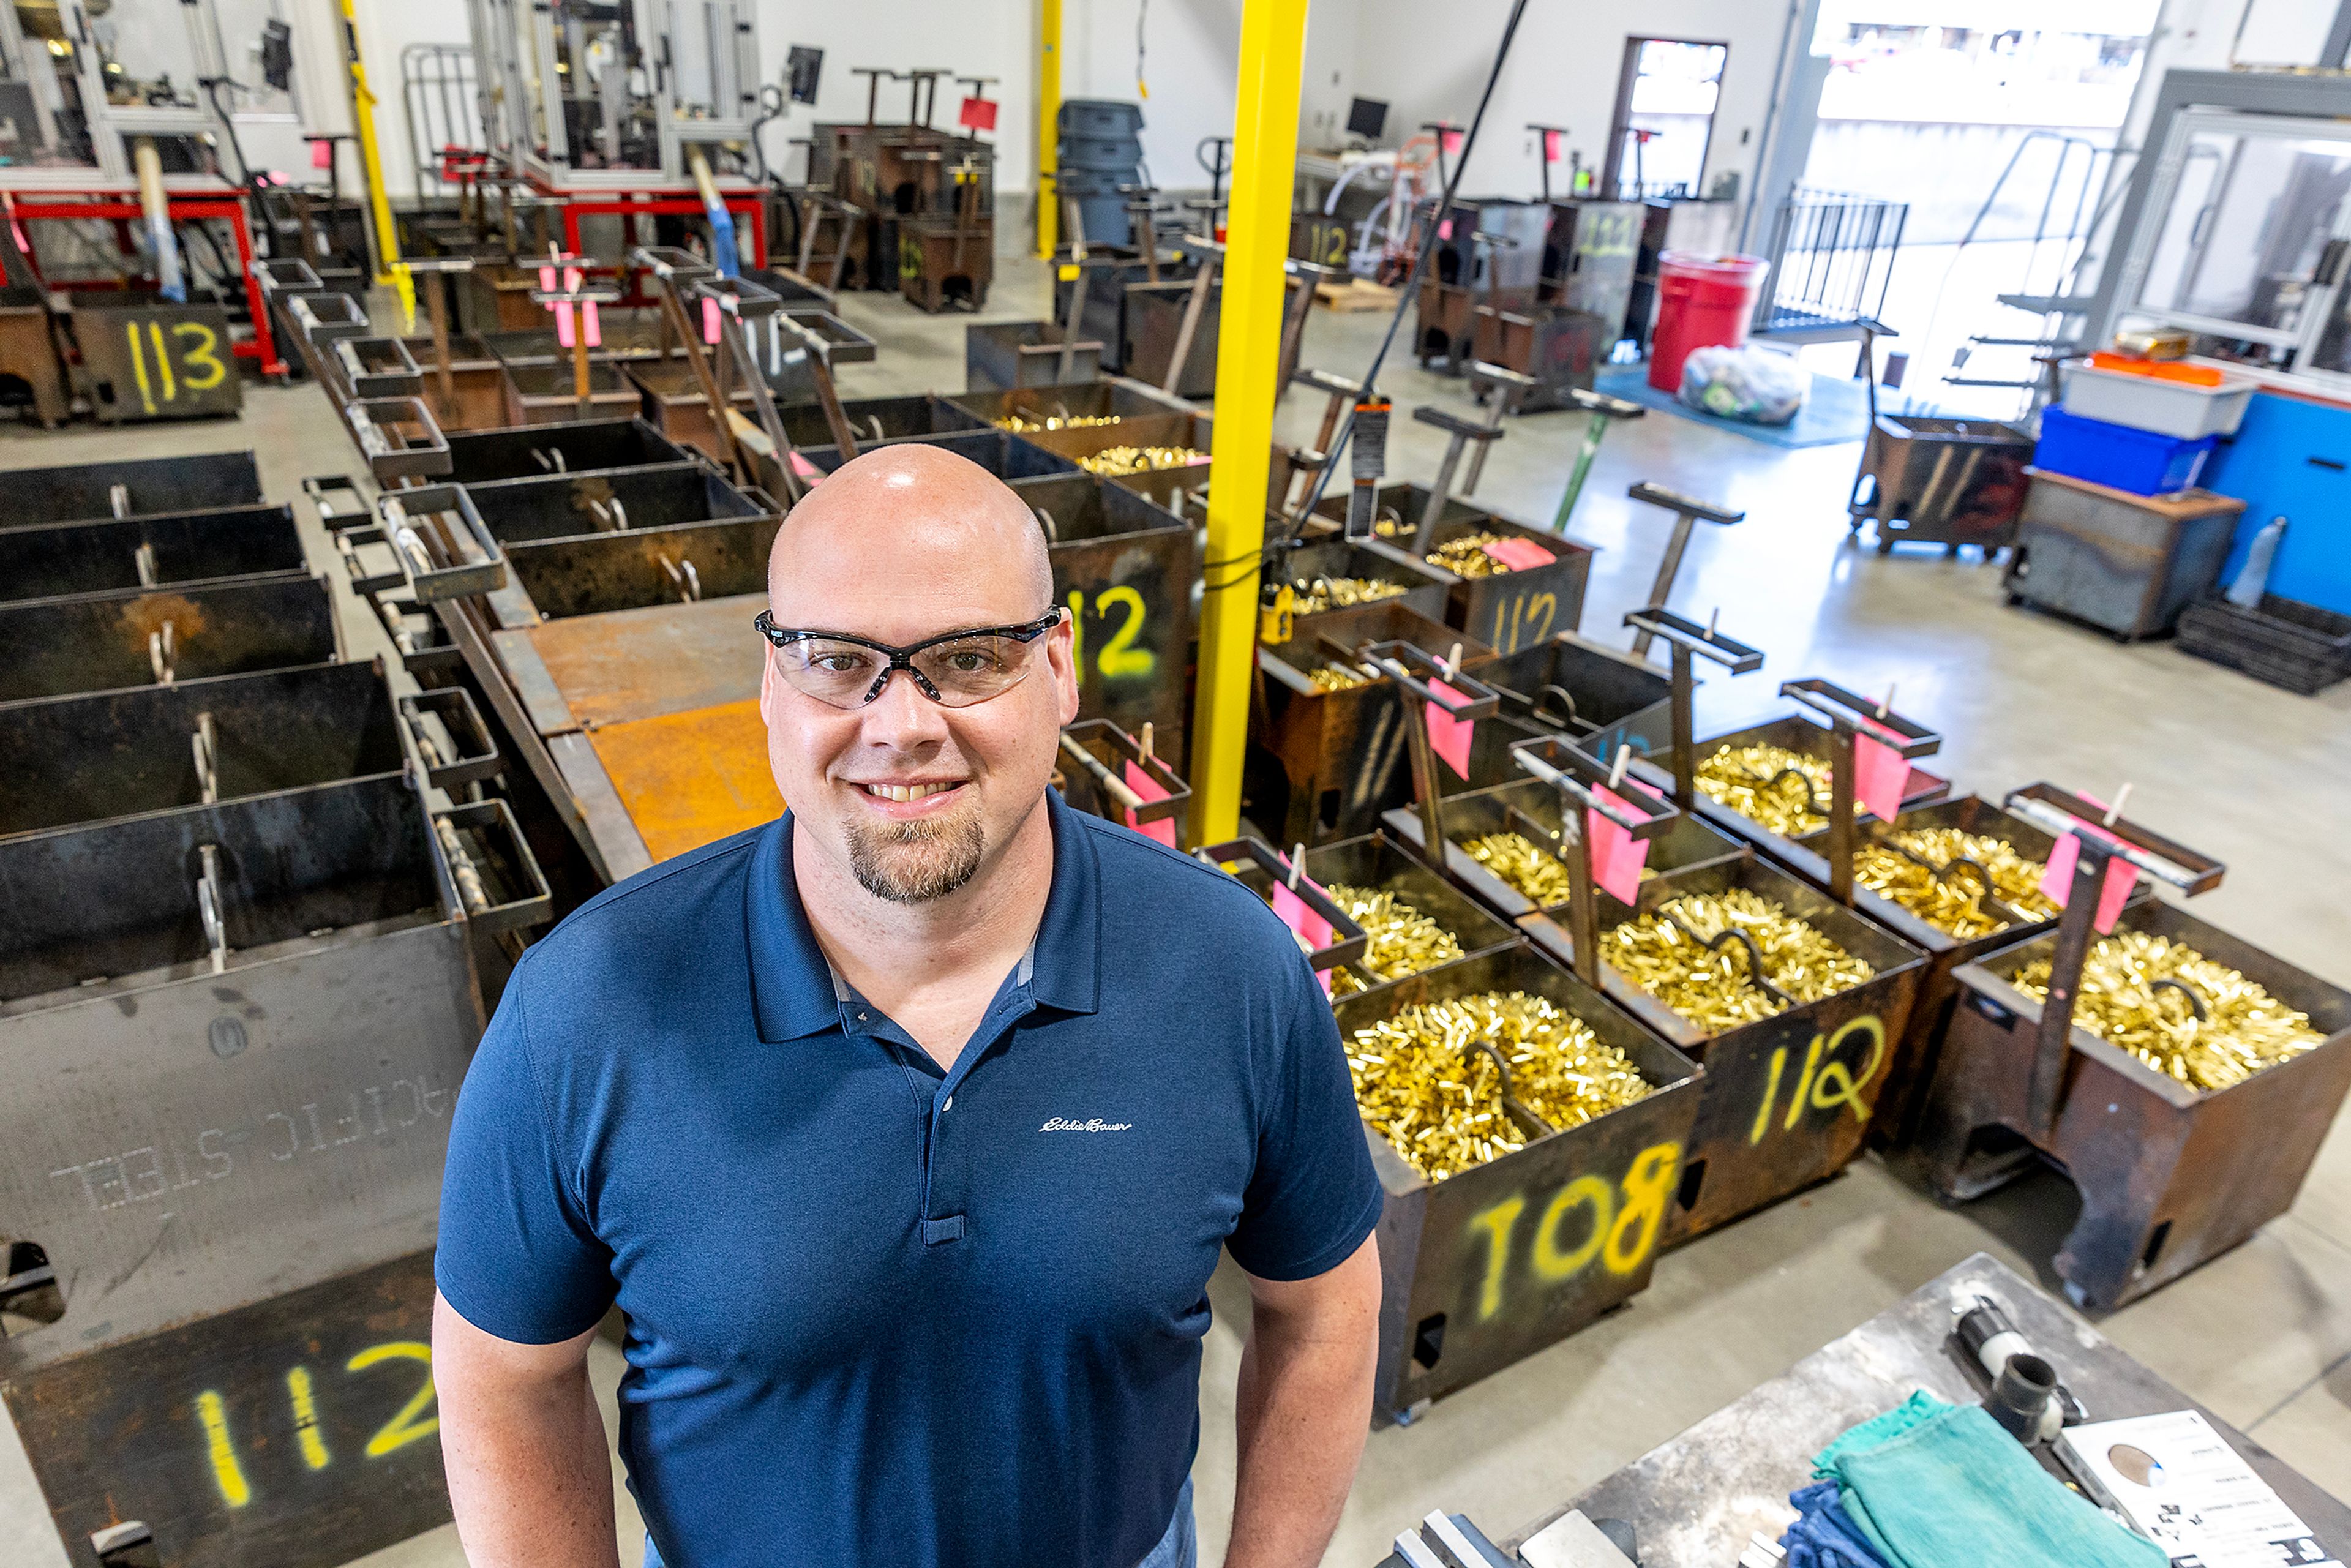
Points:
(1488, 1267)
(1772, 1119)
(1531, 807)
(40, 560)
(2169, 1176)
(1379, 864)
(82, 492)
(678, 564)
(1598, 698)
(573, 446)
(95, 642)
(1509, 609)
(1425, 592)
(613, 499)
(874, 420)
(1806, 859)
(1323, 764)
(1930, 1013)
(1123, 568)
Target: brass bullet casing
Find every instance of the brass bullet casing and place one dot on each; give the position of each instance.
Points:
(1521, 864)
(1336, 678)
(1423, 1084)
(1953, 905)
(1466, 557)
(1020, 424)
(1111, 461)
(1342, 592)
(1710, 986)
(2131, 997)
(1399, 939)
(1740, 776)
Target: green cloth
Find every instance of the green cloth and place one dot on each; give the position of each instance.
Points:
(1942, 1485)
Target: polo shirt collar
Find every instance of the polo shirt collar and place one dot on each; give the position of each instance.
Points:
(792, 991)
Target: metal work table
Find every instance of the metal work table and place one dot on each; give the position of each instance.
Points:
(1696, 1500)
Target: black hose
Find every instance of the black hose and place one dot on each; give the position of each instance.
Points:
(1419, 259)
(1275, 549)
(212, 86)
(770, 110)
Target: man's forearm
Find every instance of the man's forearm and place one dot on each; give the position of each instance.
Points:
(530, 1480)
(1304, 1409)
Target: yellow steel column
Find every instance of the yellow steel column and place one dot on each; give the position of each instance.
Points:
(1248, 349)
(1048, 116)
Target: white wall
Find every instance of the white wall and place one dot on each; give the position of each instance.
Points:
(1430, 62)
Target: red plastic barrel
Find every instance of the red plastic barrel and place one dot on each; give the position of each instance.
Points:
(1703, 302)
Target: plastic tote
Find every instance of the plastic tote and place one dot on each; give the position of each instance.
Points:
(2117, 455)
(1703, 302)
(2154, 402)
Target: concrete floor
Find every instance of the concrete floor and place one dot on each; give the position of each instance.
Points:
(2261, 1336)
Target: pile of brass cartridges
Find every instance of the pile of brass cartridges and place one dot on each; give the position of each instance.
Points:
(1339, 592)
(1020, 424)
(1522, 864)
(1115, 460)
(1422, 1082)
(1953, 903)
(2124, 1001)
(1466, 557)
(1709, 987)
(1337, 678)
(1399, 939)
(1740, 776)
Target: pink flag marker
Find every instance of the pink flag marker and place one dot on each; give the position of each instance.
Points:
(1150, 790)
(1518, 554)
(710, 318)
(1304, 921)
(1449, 736)
(1879, 772)
(2057, 881)
(1452, 143)
(1551, 146)
(546, 281)
(1617, 856)
(562, 323)
(587, 319)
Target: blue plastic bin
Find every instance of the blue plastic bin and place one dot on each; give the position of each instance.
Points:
(2119, 456)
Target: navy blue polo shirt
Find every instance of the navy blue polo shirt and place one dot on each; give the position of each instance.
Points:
(880, 1314)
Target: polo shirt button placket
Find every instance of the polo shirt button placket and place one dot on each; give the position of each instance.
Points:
(946, 1228)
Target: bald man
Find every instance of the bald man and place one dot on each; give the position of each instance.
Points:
(906, 1131)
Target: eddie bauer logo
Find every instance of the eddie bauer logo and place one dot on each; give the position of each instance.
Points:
(1090, 1124)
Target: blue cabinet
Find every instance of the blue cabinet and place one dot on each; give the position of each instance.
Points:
(2293, 458)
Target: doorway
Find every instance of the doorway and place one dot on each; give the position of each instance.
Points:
(1666, 98)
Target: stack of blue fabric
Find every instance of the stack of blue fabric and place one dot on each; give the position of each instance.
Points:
(1930, 1485)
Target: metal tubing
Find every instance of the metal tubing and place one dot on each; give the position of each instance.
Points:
(1265, 154)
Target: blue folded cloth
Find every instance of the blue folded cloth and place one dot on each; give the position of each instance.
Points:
(1822, 1535)
(1930, 1485)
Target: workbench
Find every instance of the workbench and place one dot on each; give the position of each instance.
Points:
(1695, 1500)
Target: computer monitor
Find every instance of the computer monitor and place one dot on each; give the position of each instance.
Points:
(1367, 118)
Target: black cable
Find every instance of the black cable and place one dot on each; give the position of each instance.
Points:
(1405, 294)
(768, 113)
(212, 86)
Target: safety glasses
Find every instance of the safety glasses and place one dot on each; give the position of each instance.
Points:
(953, 669)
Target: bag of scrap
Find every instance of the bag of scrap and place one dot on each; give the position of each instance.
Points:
(1757, 385)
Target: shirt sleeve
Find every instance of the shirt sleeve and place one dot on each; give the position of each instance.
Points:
(516, 1257)
(1315, 1194)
